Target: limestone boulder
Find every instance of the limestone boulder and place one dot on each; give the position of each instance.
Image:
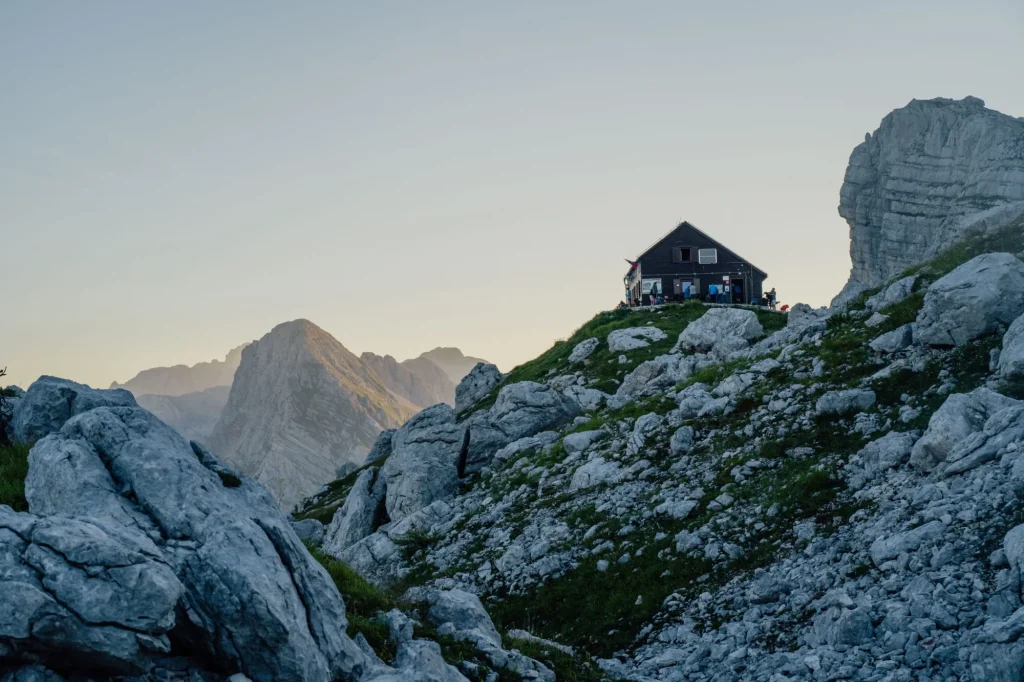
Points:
(633, 338)
(737, 327)
(984, 295)
(892, 294)
(1011, 358)
(360, 515)
(845, 402)
(584, 349)
(50, 401)
(476, 385)
(521, 409)
(424, 465)
(382, 447)
(960, 416)
(895, 341)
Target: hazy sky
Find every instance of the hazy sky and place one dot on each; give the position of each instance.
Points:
(178, 177)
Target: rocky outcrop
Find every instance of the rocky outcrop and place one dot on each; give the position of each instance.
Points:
(476, 385)
(424, 463)
(361, 514)
(50, 401)
(521, 409)
(136, 540)
(300, 406)
(984, 295)
(419, 381)
(193, 415)
(932, 171)
(182, 379)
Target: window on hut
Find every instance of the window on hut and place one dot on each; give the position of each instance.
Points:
(707, 256)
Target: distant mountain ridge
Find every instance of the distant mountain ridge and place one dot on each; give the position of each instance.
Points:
(452, 361)
(183, 379)
(193, 415)
(419, 380)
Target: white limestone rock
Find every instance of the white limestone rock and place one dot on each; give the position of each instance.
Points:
(50, 402)
(358, 516)
(423, 466)
(1011, 358)
(476, 385)
(845, 402)
(634, 337)
(584, 349)
(981, 296)
(895, 341)
(736, 325)
(892, 294)
(961, 415)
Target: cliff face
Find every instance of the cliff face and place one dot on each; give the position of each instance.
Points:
(932, 171)
(300, 406)
(182, 379)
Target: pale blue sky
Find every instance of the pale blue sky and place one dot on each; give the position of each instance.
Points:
(178, 177)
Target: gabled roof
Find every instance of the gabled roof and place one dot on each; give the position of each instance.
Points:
(702, 232)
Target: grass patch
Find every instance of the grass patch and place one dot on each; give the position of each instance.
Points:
(969, 363)
(13, 471)
(322, 506)
(364, 603)
(567, 668)
(1009, 239)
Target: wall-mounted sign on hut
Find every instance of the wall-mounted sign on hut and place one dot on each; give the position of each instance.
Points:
(687, 263)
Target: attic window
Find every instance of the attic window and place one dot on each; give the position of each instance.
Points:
(681, 255)
(707, 256)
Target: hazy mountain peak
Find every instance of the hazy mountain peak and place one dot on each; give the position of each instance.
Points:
(183, 379)
(452, 360)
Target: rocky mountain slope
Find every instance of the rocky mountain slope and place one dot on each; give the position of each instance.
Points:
(193, 415)
(455, 364)
(301, 406)
(933, 170)
(740, 495)
(182, 379)
(142, 558)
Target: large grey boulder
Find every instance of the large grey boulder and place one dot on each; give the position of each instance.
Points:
(892, 294)
(462, 613)
(652, 376)
(895, 341)
(100, 594)
(984, 295)
(584, 349)
(1011, 358)
(933, 170)
(720, 326)
(382, 447)
(521, 409)
(50, 401)
(960, 416)
(424, 465)
(362, 512)
(253, 599)
(476, 385)
(845, 402)
(633, 338)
